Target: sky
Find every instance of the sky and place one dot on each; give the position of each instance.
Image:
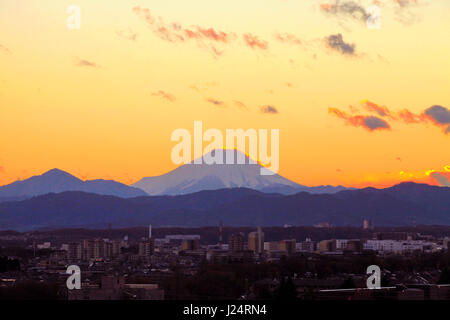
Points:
(355, 105)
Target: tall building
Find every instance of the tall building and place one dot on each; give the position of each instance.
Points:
(146, 248)
(256, 241)
(236, 242)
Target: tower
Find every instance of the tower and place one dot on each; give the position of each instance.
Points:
(150, 231)
(220, 233)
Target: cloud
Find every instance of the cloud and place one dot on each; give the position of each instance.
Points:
(336, 42)
(240, 104)
(127, 34)
(437, 115)
(269, 109)
(216, 102)
(442, 178)
(86, 63)
(176, 33)
(4, 49)
(409, 117)
(380, 110)
(370, 123)
(349, 9)
(254, 42)
(288, 38)
(440, 116)
(164, 95)
(2, 169)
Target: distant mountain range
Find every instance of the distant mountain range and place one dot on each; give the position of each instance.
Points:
(185, 179)
(401, 205)
(59, 181)
(191, 178)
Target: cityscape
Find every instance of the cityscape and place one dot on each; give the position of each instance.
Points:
(175, 266)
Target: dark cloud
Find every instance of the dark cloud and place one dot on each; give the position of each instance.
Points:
(216, 102)
(440, 116)
(349, 9)
(86, 63)
(269, 109)
(441, 178)
(370, 123)
(337, 43)
(164, 95)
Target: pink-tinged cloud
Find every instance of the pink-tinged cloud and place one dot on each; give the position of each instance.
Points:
(254, 42)
(164, 95)
(409, 117)
(207, 38)
(2, 169)
(370, 123)
(378, 109)
(288, 38)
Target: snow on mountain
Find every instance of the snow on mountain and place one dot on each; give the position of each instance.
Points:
(192, 177)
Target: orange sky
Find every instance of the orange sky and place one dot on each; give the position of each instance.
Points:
(102, 101)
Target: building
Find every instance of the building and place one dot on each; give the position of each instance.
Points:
(306, 246)
(115, 288)
(146, 248)
(288, 246)
(189, 244)
(399, 247)
(236, 242)
(256, 241)
(327, 245)
(74, 251)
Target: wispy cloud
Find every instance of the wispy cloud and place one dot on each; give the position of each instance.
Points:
(269, 109)
(367, 122)
(86, 63)
(216, 102)
(288, 38)
(208, 38)
(240, 104)
(127, 34)
(4, 49)
(164, 95)
(437, 115)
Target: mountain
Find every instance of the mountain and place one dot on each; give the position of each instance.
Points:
(405, 204)
(193, 177)
(57, 181)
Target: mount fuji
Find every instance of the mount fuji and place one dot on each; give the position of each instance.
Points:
(192, 177)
